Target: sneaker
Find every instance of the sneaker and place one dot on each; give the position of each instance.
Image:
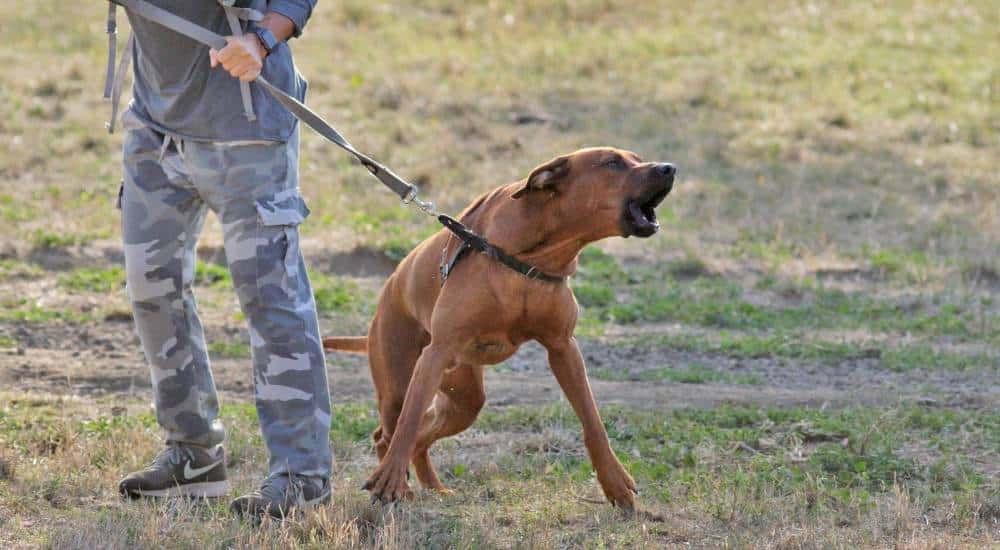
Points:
(180, 471)
(280, 496)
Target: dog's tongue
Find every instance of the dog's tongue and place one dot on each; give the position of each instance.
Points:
(640, 217)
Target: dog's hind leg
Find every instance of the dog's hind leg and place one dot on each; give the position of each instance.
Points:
(455, 407)
(395, 343)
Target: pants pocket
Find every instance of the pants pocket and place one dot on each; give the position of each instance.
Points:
(278, 251)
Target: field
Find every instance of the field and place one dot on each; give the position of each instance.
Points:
(806, 356)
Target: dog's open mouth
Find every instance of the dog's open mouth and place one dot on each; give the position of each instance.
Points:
(640, 213)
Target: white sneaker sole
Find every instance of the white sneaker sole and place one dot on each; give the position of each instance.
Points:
(207, 489)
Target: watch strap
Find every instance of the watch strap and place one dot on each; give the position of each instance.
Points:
(267, 38)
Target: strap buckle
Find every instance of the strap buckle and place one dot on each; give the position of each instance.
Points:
(427, 207)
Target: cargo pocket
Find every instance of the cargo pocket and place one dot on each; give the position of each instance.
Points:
(278, 253)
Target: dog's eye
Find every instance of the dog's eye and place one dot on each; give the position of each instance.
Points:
(617, 163)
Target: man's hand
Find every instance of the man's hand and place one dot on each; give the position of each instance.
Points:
(243, 57)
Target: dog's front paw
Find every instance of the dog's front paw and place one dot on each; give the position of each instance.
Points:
(388, 483)
(618, 486)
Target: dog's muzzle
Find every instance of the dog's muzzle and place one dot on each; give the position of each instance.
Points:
(639, 218)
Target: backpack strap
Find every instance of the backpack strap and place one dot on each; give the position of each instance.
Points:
(234, 15)
(114, 77)
(112, 30)
(118, 82)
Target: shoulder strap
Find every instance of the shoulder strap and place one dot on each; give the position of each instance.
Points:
(233, 16)
(112, 30)
(118, 82)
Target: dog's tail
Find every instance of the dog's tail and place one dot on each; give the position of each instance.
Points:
(350, 344)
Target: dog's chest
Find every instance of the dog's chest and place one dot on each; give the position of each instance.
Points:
(487, 349)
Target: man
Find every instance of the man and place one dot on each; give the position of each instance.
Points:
(200, 137)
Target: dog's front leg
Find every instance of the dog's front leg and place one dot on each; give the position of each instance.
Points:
(568, 367)
(388, 482)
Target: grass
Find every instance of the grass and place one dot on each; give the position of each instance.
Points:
(643, 294)
(837, 202)
(750, 346)
(340, 295)
(22, 311)
(212, 275)
(13, 269)
(100, 281)
(50, 239)
(229, 349)
(869, 137)
(711, 475)
(696, 373)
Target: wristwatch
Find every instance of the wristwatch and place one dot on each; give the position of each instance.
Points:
(267, 38)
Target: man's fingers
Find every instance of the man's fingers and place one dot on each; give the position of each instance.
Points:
(237, 60)
(232, 49)
(213, 57)
(249, 75)
(236, 67)
(240, 71)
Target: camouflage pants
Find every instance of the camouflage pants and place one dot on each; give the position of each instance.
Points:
(253, 189)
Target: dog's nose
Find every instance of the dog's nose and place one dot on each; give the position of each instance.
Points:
(666, 169)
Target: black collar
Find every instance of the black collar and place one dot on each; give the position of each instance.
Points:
(471, 240)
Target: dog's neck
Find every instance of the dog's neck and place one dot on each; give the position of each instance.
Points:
(522, 228)
(553, 255)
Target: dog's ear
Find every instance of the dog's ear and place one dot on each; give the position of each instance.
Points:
(545, 176)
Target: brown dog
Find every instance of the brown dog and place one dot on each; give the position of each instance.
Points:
(429, 341)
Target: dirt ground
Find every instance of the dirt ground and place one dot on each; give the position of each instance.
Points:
(105, 358)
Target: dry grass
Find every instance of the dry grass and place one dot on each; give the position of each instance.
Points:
(520, 481)
(830, 132)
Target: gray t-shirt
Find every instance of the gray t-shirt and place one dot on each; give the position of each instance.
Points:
(178, 93)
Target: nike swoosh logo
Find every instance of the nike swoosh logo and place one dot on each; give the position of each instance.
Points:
(191, 473)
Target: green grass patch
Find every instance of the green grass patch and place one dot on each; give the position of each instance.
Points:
(14, 269)
(921, 356)
(339, 295)
(231, 349)
(608, 292)
(913, 264)
(790, 346)
(211, 274)
(43, 238)
(692, 374)
(842, 454)
(14, 211)
(21, 311)
(396, 231)
(102, 281)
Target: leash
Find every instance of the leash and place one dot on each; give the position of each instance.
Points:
(406, 191)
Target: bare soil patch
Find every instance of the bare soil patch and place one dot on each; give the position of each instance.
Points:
(105, 358)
